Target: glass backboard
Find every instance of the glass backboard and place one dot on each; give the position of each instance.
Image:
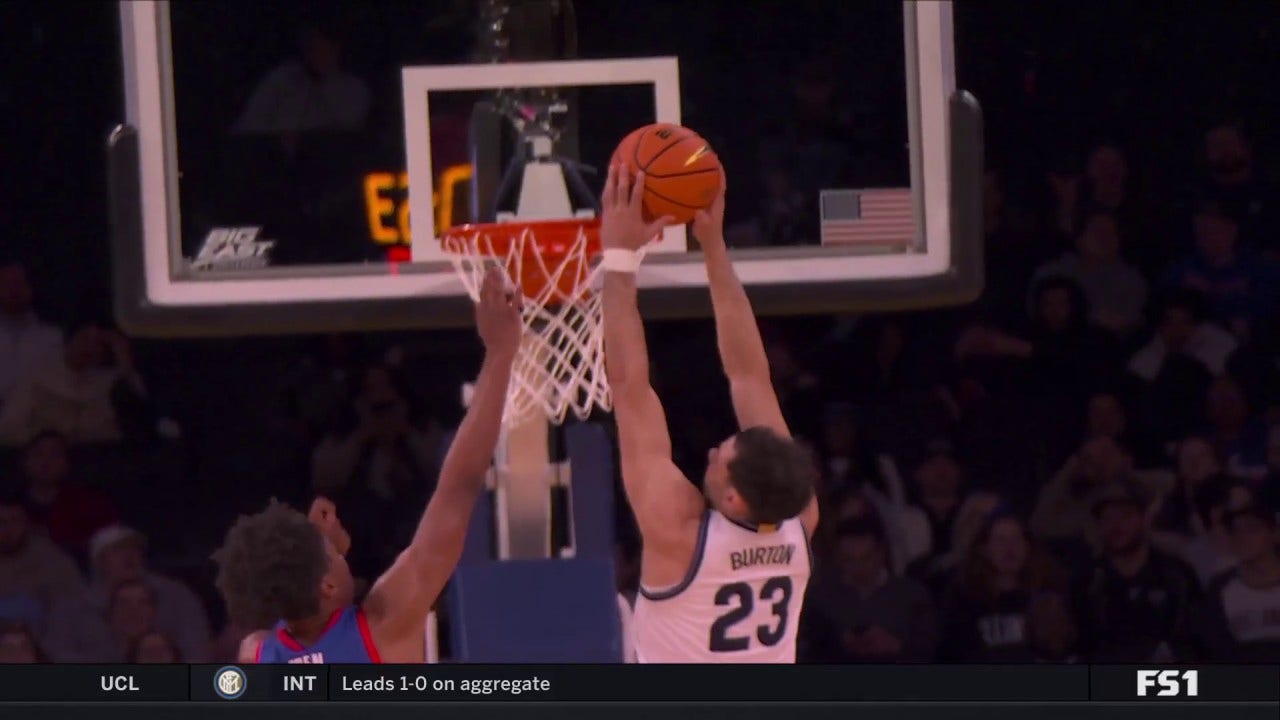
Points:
(287, 167)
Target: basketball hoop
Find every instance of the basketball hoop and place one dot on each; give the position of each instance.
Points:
(560, 365)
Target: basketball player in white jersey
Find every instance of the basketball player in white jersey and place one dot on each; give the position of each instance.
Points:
(723, 571)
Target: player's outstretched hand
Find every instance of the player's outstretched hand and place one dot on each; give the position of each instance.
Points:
(324, 515)
(708, 224)
(622, 222)
(498, 315)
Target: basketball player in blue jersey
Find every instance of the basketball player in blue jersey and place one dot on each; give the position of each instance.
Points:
(723, 571)
(282, 567)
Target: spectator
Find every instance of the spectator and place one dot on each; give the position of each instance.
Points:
(30, 565)
(1239, 437)
(782, 220)
(383, 451)
(799, 392)
(152, 648)
(380, 469)
(985, 614)
(1232, 181)
(1102, 187)
(845, 466)
(1243, 605)
(80, 396)
(809, 152)
(874, 365)
(316, 388)
(1005, 284)
(131, 616)
(850, 475)
(1182, 329)
(19, 646)
(1052, 627)
(78, 633)
(905, 527)
(22, 607)
(225, 648)
(1178, 365)
(1136, 601)
(1240, 287)
(1107, 415)
(1195, 462)
(315, 392)
(68, 511)
(310, 92)
(938, 571)
(858, 611)
(940, 491)
(1115, 291)
(1109, 187)
(26, 343)
(1206, 544)
(1062, 354)
(1063, 510)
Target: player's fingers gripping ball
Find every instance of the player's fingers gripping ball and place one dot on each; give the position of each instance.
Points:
(682, 174)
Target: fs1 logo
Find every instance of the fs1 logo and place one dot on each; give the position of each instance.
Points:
(235, 248)
(1170, 683)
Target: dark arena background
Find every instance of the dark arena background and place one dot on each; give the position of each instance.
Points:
(1049, 474)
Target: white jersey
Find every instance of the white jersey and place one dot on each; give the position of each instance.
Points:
(739, 603)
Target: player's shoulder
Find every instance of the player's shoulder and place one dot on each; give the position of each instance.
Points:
(251, 646)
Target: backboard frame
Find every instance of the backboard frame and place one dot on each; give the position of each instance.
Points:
(945, 131)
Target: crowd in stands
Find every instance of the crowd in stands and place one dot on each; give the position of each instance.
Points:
(1082, 465)
(1108, 479)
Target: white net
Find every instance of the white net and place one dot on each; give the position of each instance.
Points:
(560, 366)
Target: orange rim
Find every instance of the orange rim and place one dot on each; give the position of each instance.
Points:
(551, 240)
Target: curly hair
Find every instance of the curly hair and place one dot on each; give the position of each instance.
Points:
(773, 474)
(270, 567)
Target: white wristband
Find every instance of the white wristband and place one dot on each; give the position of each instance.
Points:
(621, 260)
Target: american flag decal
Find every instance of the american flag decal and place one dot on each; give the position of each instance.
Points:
(881, 217)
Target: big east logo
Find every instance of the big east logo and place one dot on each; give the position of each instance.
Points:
(233, 249)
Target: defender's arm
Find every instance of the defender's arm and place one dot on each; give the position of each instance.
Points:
(400, 600)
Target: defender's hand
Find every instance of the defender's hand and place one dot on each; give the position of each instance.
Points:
(498, 315)
(622, 222)
(324, 515)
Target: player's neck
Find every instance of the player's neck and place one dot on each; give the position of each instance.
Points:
(307, 631)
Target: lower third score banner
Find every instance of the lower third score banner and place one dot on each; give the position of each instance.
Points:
(637, 683)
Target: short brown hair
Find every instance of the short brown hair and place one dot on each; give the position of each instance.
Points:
(773, 474)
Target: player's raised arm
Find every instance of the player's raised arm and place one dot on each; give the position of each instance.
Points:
(659, 495)
(400, 600)
(741, 349)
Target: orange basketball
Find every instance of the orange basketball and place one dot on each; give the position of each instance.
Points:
(681, 171)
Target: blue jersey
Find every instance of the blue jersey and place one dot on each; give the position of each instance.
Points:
(345, 641)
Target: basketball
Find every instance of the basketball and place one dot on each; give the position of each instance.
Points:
(681, 171)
